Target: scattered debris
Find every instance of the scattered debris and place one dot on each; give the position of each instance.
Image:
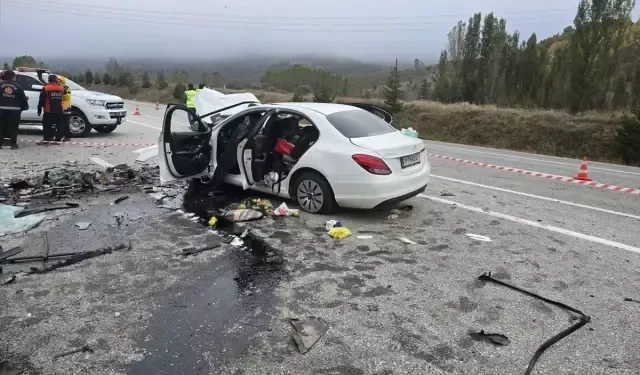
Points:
(308, 332)
(627, 299)
(122, 198)
(213, 221)
(45, 252)
(83, 349)
(283, 210)
(38, 258)
(78, 257)
(392, 217)
(11, 252)
(119, 218)
(339, 233)
(445, 193)
(242, 215)
(8, 281)
(406, 207)
(192, 250)
(407, 241)
(494, 338)
(83, 225)
(46, 208)
(478, 237)
(330, 224)
(364, 237)
(583, 320)
(409, 132)
(10, 224)
(116, 314)
(237, 242)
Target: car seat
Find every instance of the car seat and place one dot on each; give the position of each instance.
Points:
(310, 135)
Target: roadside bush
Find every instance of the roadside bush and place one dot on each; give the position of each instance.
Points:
(134, 88)
(627, 140)
(178, 91)
(106, 78)
(297, 97)
(323, 94)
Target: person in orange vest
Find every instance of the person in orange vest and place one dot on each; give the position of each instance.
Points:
(66, 108)
(51, 102)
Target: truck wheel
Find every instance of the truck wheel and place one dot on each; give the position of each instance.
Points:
(105, 129)
(79, 127)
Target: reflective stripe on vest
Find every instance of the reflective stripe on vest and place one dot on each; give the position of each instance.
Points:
(190, 94)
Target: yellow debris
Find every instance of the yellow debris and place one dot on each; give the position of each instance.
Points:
(213, 221)
(339, 233)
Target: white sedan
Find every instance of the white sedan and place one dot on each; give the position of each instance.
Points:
(321, 155)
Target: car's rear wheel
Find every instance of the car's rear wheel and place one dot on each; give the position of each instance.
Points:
(313, 194)
(79, 127)
(105, 129)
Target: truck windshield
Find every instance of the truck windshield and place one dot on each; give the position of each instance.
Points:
(72, 85)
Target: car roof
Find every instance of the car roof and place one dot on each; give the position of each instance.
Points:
(323, 108)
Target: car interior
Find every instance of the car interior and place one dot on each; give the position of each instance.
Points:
(277, 146)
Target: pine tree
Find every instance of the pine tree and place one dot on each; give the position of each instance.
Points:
(178, 91)
(146, 81)
(96, 79)
(106, 78)
(323, 93)
(88, 77)
(392, 90)
(424, 89)
(470, 84)
(442, 87)
(161, 81)
(635, 86)
(79, 78)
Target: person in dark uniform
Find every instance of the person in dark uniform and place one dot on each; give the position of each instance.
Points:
(12, 102)
(51, 102)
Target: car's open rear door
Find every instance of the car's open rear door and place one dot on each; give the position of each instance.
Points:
(182, 153)
(376, 110)
(249, 148)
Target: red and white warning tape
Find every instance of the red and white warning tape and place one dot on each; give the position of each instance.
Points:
(73, 143)
(540, 174)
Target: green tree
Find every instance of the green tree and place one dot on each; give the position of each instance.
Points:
(178, 91)
(323, 94)
(161, 81)
(470, 84)
(6, 66)
(455, 54)
(628, 138)
(79, 78)
(113, 68)
(146, 81)
(88, 77)
(442, 87)
(392, 90)
(125, 79)
(297, 97)
(26, 61)
(486, 57)
(635, 86)
(106, 78)
(620, 96)
(423, 94)
(96, 79)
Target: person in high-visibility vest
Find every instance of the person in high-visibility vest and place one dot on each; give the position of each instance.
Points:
(188, 101)
(66, 107)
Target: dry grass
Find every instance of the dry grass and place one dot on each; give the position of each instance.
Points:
(538, 131)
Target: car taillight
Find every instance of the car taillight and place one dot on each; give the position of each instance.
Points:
(372, 164)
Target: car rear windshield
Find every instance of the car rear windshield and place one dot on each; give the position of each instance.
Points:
(359, 123)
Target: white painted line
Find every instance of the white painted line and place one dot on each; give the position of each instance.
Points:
(140, 150)
(430, 145)
(536, 224)
(101, 162)
(141, 124)
(538, 197)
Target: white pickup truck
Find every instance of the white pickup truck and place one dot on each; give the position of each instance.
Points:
(89, 109)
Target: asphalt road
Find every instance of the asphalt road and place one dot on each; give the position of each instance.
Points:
(397, 308)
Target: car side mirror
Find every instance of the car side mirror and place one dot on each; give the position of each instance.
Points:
(36, 87)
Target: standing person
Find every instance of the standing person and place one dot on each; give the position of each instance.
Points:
(200, 87)
(189, 94)
(51, 102)
(66, 109)
(12, 102)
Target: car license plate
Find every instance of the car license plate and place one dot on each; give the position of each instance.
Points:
(407, 161)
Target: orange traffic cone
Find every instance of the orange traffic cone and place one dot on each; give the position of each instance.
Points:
(157, 106)
(583, 174)
(137, 112)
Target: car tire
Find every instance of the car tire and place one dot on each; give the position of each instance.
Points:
(314, 194)
(105, 129)
(79, 126)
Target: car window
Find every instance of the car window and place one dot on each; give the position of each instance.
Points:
(26, 82)
(359, 123)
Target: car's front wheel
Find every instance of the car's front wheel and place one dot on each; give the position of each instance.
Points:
(105, 129)
(79, 127)
(313, 194)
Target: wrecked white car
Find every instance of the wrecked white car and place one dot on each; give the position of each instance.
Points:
(321, 155)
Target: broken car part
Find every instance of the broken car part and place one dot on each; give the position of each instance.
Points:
(308, 332)
(10, 253)
(495, 338)
(40, 209)
(583, 319)
(37, 258)
(124, 197)
(80, 257)
(83, 349)
(9, 280)
(193, 250)
(45, 252)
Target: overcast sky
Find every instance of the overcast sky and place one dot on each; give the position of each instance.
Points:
(377, 30)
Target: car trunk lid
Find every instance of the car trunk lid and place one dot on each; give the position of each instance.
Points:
(396, 149)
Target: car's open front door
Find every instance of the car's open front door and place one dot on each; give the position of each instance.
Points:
(251, 150)
(376, 110)
(183, 153)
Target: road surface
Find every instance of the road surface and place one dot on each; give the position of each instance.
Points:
(397, 308)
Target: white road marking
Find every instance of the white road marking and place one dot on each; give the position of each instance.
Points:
(101, 162)
(141, 124)
(536, 224)
(141, 150)
(430, 145)
(538, 197)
